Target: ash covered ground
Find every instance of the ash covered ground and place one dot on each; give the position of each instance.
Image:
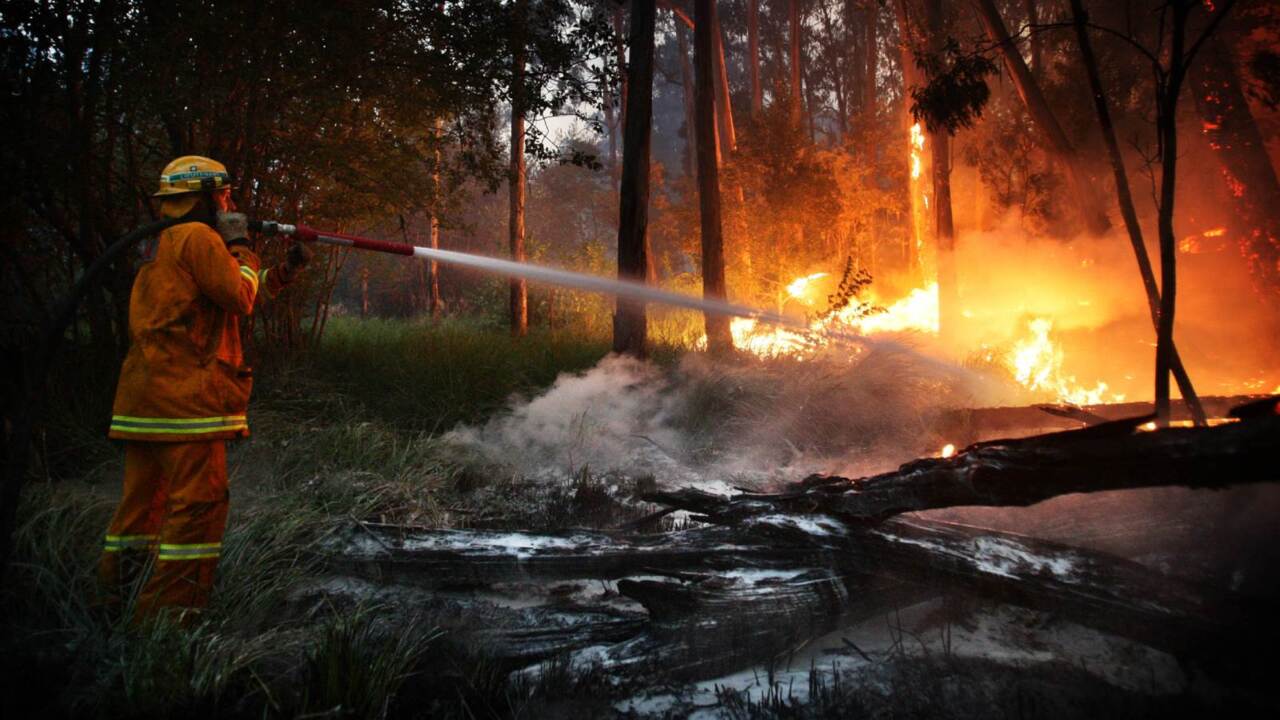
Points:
(599, 437)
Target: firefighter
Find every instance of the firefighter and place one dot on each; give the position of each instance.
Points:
(183, 392)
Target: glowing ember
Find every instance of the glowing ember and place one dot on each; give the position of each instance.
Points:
(1193, 243)
(948, 450)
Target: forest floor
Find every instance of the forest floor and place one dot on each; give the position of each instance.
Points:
(353, 433)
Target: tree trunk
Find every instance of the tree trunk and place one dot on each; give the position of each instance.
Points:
(753, 57)
(1018, 473)
(615, 123)
(793, 61)
(611, 127)
(1167, 127)
(1234, 136)
(915, 146)
(620, 49)
(433, 268)
(869, 97)
(435, 304)
(719, 339)
(1127, 210)
(944, 226)
(686, 87)
(629, 326)
(364, 293)
(1053, 138)
(724, 106)
(515, 176)
(1037, 43)
(964, 426)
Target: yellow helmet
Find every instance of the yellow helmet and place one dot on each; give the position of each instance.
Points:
(185, 177)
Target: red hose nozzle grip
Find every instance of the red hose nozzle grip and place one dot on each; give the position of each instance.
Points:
(305, 234)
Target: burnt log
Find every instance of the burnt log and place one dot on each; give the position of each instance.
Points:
(477, 558)
(704, 627)
(513, 627)
(701, 613)
(1109, 456)
(970, 424)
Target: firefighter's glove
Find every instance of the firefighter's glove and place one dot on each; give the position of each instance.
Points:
(233, 227)
(298, 257)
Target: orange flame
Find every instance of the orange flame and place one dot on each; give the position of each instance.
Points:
(1036, 362)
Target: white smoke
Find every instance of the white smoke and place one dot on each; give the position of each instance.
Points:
(717, 425)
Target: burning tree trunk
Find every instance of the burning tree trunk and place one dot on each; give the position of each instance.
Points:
(944, 227)
(719, 339)
(1127, 210)
(1055, 141)
(629, 326)
(753, 57)
(915, 140)
(1235, 139)
(515, 175)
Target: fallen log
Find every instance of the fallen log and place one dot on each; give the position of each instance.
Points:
(471, 558)
(511, 634)
(967, 425)
(1109, 456)
(698, 606)
(715, 625)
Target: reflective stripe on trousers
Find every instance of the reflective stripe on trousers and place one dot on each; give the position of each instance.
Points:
(116, 543)
(178, 426)
(192, 551)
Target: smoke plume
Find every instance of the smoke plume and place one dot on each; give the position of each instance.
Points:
(719, 424)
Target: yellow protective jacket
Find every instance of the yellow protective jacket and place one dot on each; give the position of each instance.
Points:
(184, 378)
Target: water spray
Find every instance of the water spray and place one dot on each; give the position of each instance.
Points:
(530, 271)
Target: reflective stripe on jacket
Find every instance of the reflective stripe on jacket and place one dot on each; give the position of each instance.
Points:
(184, 377)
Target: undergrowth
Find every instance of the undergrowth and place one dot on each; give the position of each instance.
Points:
(432, 375)
(347, 433)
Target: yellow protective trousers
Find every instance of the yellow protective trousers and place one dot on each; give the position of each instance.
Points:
(171, 518)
